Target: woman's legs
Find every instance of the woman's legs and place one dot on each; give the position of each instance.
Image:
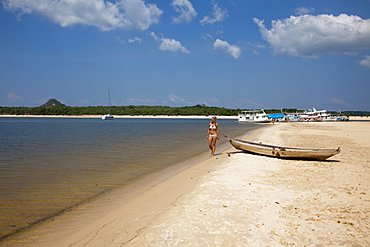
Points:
(212, 144)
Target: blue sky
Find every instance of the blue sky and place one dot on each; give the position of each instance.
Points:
(228, 53)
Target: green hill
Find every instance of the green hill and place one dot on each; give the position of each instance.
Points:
(52, 103)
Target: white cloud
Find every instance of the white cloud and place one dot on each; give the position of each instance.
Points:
(310, 36)
(105, 15)
(185, 9)
(218, 14)
(166, 44)
(12, 97)
(135, 39)
(304, 11)
(178, 101)
(232, 50)
(366, 61)
(207, 37)
(129, 40)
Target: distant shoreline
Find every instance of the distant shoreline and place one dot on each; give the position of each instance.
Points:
(122, 116)
(357, 118)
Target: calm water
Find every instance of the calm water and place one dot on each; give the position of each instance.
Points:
(48, 165)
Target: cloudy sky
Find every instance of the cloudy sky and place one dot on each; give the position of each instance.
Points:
(228, 53)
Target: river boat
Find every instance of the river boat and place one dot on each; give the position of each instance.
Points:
(321, 116)
(108, 116)
(292, 117)
(254, 116)
(335, 117)
(282, 152)
(313, 115)
(278, 117)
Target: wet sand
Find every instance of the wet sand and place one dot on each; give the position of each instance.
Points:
(241, 199)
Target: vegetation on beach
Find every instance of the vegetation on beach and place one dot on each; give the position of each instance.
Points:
(54, 107)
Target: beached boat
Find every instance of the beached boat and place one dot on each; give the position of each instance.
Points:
(108, 116)
(282, 152)
(255, 116)
(278, 117)
(292, 117)
(335, 117)
(313, 115)
(321, 116)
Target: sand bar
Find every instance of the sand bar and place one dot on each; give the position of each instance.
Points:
(242, 199)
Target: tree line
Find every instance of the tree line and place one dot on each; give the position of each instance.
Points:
(198, 110)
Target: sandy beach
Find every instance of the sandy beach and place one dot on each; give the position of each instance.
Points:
(238, 199)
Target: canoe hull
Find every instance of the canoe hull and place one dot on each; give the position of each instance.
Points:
(283, 152)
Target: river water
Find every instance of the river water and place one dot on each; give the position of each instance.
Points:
(48, 165)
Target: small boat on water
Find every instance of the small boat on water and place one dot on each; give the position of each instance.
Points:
(108, 116)
(282, 152)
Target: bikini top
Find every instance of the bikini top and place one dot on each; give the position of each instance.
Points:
(212, 127)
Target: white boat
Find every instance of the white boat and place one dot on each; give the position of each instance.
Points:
(292, 117)
(255, 116)
(108, 116)
(278, 117)
(321, 116)
(335, 118)
(313, 115)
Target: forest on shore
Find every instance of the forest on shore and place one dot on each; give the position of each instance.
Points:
(54, 107)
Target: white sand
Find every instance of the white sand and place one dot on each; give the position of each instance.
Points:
(244, 199)
(259, 201)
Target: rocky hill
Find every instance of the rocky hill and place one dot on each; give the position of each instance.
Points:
(52, 103)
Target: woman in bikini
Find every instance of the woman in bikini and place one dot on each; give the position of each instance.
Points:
(212, 135)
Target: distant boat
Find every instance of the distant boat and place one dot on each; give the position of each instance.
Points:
(278, 117)
(313, 115)
(108, 116)
(336, 117)
(321, 116)
(255, 116)
(282, 152)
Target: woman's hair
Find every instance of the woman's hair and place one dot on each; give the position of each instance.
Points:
(215, 118)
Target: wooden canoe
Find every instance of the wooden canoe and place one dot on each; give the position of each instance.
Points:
(282, 152)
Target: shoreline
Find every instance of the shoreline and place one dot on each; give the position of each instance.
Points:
(120, 116)
(352, 118)
(241, 199)
(96, 207)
